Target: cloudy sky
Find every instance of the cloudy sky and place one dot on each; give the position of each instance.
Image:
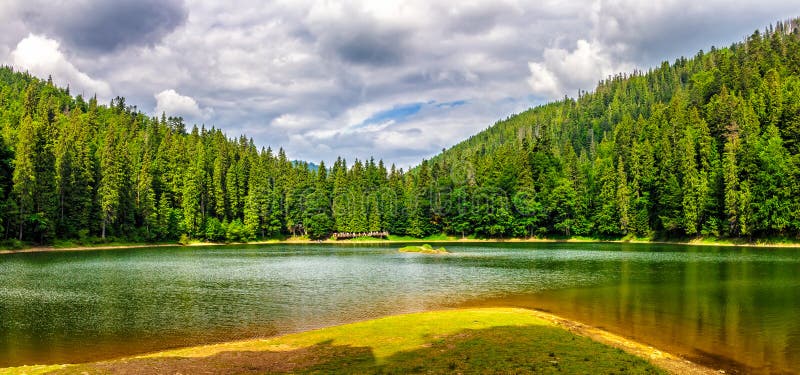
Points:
(399, 80)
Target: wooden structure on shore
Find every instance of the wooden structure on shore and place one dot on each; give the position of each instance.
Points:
(348, 235)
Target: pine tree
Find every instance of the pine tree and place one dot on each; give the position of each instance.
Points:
(563, 207)
(773, 189)
(374, 220)
(693, 187)
(607, 215)
(192, 192)
(460, 212)
(110, 182)
(419, 204)
(257, 205)
(528, 209)
(221, 205)
(340, 198)
(731, 178)
(232, 177)
(6, 186)
(146, 198)
(317, 215)
(623, 198)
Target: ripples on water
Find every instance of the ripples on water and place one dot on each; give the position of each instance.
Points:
(733, 307)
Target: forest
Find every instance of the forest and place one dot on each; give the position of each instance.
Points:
(708, 146)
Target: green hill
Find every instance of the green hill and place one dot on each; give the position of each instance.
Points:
(704, 146)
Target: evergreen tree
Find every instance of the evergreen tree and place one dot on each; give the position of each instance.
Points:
(24, 176)
(317, 215)
(6, 186)
(623, 199)
(110, 181)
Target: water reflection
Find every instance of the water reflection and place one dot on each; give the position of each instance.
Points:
(732, 307)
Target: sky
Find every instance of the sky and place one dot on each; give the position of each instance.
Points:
(397, 80)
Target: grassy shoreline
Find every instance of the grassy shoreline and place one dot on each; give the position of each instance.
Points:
(496, 340)
(432, 239)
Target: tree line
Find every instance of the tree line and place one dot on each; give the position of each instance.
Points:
(705, 146)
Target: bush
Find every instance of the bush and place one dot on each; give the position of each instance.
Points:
(12, 244)
(215, 230)
(237, 232)
(319, 227)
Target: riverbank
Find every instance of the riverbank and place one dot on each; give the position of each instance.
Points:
(494, 340)
(432, 239)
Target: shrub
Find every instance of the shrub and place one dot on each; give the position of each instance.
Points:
(237, 232)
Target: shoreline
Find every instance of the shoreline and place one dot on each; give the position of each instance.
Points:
(301, 241)
(663, 360)
(667, 361)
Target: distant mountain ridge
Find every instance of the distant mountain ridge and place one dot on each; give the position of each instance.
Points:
(311, 166)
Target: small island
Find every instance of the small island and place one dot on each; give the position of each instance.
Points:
(424, 249)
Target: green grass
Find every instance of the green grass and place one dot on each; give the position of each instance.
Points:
(487, 341)
(424, 249)
(362, 239)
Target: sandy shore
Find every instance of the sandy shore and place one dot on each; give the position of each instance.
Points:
(45, 249)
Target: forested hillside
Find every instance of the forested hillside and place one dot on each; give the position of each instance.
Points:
(73, 169)
(706, 146)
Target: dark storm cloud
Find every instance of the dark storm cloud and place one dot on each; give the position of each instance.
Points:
(371, 49)
(364, 42)
(104, 26)
(476, 17)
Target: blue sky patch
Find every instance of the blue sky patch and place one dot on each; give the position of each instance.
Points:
(402, 112)
(398, 113)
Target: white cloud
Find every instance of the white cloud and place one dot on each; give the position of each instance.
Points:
(174, 104)
(562, 72)
(543, 81)
(42, 57)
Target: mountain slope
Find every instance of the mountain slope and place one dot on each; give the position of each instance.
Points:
(704, 146)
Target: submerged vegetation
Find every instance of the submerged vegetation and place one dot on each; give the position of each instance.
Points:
(424, 249)
(497, 340)
(707, 146)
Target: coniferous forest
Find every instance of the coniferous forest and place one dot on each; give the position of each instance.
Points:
(706, 146)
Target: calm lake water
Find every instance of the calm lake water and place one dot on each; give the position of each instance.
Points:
(733, 308)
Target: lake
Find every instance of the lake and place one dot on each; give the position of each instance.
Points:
(732, 308)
